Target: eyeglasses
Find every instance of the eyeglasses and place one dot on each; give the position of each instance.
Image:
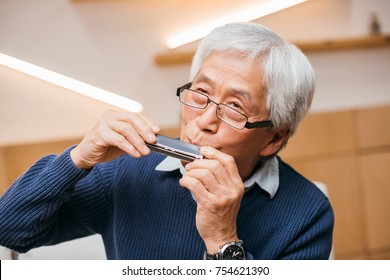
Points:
(225, 113)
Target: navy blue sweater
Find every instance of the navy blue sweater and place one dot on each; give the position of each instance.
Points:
(145, 214)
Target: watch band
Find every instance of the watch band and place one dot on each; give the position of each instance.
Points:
(208, 256)
(229, 251)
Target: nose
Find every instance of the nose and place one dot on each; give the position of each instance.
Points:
(207, 119)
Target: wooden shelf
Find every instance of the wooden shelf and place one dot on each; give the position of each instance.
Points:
(177, 56)
(345, 44)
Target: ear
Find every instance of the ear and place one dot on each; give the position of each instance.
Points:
(276, 142)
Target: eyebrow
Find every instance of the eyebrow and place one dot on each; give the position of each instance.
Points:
(202, 79)
(245, 94)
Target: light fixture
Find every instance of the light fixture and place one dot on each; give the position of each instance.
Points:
(70, 84)
(253, 12)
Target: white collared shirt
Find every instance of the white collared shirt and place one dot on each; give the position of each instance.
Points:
(266, 176)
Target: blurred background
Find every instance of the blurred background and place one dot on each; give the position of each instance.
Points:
(120, 46)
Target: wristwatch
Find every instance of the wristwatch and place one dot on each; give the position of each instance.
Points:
(228, 251)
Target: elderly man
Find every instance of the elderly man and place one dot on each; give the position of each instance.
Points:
(248, 91)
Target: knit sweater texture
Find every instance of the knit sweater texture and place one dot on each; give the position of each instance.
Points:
(142, 213)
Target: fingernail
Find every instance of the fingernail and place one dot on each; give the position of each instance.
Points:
(146, 150)
(137, 154)
(152, 137)
(155, 128)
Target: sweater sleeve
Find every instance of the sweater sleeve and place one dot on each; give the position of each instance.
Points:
(51, 203)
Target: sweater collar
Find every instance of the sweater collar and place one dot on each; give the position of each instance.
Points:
(266, 176)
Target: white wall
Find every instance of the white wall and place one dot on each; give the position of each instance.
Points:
(351, 79)
(111, 44)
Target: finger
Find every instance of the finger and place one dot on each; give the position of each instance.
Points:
(134, 127)
(144, 127)
(196, 188)
(153, 125)
(206, 178)
(117, 140)
(226, 160)
(214, 167)
(130, 134)
(228, 181)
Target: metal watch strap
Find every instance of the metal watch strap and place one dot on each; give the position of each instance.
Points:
(208, 256)
(219, 254)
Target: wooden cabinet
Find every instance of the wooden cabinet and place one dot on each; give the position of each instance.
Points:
(375, 182)
(16, 159)
(372, 128)
(349, 151)
(3, 172)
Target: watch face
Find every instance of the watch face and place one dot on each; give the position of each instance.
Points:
(233, 252)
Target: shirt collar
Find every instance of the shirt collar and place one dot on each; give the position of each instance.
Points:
(266, 176)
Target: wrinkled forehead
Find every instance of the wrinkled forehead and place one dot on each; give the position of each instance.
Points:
(233, 73)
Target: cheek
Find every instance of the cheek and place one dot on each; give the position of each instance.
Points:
(187, 120)
(189, 113)
(184, 122)
(239, 144)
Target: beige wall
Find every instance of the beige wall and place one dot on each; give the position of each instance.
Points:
(111, 44)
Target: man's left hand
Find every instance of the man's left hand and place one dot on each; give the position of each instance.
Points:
(218, 189)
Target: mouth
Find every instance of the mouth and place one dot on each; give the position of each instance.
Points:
(192, 135)
(190, 141)
(197, 138)
(196, 143)
(201, 143)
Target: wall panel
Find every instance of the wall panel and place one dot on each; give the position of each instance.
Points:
(3, 172)
(20, 157)
(372, 127)
(375, 178)
(349, 152)
(322, 134)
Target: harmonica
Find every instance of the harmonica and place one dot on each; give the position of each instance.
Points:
(175, 148)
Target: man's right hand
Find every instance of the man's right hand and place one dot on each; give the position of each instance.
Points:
(115, 134)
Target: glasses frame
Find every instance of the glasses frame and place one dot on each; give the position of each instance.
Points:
(249, 125)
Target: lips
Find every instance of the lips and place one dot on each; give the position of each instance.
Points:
(198, 138)
(200, 143)
(193, 142)
(197, 143)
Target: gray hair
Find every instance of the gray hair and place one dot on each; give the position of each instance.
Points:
(288, 75)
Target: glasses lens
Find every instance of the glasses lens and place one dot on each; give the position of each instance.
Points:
(231, 116)
(193, 99)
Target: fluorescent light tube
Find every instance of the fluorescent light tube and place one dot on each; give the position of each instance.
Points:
(259, 10)
(71, 84)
